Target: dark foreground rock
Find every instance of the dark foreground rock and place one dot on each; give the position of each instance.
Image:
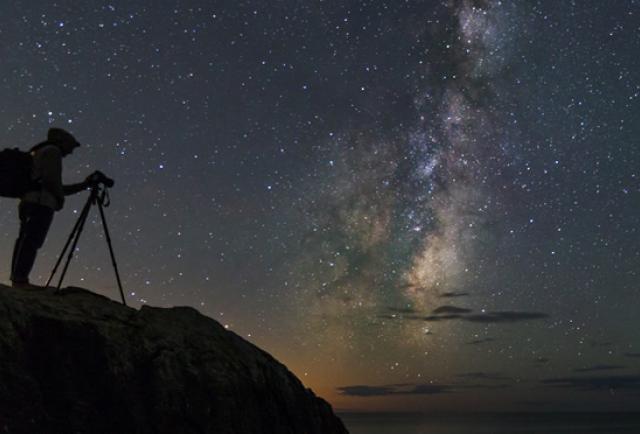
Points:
(76, 362)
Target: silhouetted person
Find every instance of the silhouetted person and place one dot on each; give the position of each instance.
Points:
(38, 205)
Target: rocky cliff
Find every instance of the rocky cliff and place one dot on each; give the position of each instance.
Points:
(77, 362)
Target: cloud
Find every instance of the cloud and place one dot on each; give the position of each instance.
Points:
(446, 313)
(505, 317)
(395, 389)
(490, 317)
(361, 390)
(483, 386)
(450, 310)
(453, 294)
(425, 388)
(627, 382)
(599, 368)
(441, 317)
(480, 341)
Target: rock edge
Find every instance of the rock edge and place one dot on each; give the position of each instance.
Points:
(78, 362)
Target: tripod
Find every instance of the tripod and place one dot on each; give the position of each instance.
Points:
(100, 196)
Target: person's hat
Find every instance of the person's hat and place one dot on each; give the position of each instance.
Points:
(58, 135)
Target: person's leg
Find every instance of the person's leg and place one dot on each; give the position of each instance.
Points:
(35, 221)
(15, 250)
(17, 247)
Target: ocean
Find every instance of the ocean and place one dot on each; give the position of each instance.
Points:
(509, 423)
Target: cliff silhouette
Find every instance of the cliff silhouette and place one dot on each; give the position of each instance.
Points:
(78, 362)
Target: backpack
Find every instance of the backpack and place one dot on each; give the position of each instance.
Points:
(15, 173)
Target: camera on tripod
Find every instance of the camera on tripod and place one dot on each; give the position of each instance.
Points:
(97, 178)
(99, 197)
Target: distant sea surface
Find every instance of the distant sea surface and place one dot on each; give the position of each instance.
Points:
(539, 423)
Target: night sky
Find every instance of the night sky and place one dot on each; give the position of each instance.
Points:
(414, 205)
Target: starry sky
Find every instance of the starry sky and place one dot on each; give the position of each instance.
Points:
(414, 205)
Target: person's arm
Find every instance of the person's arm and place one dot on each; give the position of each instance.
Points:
(89, 181)
(75, 188)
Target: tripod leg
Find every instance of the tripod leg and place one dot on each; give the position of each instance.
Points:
(83, 219)
(113, 258)
(72, 235)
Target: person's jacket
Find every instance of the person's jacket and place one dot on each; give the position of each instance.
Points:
(47, 170)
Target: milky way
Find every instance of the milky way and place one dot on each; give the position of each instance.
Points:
(398, 218)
